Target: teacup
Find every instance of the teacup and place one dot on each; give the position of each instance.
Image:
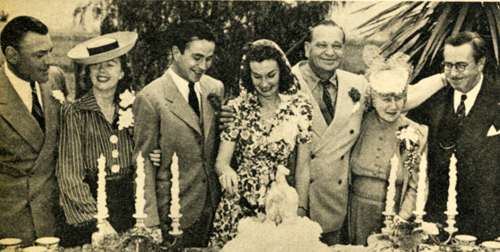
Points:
(465, 240)
(35, 249)
(50, 243)
(491, 246)
(10, 244)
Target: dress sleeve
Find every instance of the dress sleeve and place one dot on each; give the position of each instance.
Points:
(78, 204)
(231, 132)
(304, 112)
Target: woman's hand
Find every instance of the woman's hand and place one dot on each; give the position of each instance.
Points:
(228, 179)
(155, 157)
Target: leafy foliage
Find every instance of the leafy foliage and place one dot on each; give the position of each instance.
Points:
(423, 26)
(234, 23)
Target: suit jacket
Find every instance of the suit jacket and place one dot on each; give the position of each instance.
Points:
(331, 150)
(28, 188)
(165, 120)
(478, 160)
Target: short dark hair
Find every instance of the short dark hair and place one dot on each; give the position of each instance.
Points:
(191, 30)
(327, 23)
(473, 38)
(259, 53)
(15, 30)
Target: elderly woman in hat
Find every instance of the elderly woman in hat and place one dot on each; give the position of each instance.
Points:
(385, 132)
(98, 123)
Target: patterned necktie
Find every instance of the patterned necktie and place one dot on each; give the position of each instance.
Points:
(193, 99)
(329, 113)
(461, 107)
(36, 109)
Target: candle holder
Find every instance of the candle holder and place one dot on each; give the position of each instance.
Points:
(142, 236)
(100, 239)
(419, 215)
(175, 224)
(450, 229)
(388, 222)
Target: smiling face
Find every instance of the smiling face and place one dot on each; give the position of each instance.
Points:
(195, 61)
(388, 106)
(325, 50)
(265, 77)
(105, 75)
(466, 80)
(32, 58)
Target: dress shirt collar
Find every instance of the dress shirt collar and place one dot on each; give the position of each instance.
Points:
(312, 78)
(471, 97)
(182, 85)
(23, 88)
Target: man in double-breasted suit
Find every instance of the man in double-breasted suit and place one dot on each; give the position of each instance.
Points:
(173, 113)
(464, 119)
(29, 127)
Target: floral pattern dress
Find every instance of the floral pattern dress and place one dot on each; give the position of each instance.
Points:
(258, 153)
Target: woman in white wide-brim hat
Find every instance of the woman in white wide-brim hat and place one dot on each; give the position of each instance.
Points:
(98, 123)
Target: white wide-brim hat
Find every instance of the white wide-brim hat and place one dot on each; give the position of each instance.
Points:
(103, 48)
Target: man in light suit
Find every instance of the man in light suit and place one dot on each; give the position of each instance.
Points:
(338, 99)
(464, 119)
(29, 126)
(173, 113)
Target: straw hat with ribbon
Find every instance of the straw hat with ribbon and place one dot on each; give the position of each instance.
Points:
(103, 48)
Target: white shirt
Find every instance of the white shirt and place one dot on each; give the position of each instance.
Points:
(471, 97)
(183, 86)
(23, 88)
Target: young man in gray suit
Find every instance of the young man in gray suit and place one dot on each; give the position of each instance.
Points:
(29, 126)
(173, 114)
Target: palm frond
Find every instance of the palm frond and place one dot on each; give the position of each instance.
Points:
(493, 28)
(460, 18)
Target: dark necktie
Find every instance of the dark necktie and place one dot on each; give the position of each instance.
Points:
(329, 112)
(193, 99)
(36, 109)
(461, 107)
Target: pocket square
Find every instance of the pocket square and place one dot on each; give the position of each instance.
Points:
(492, 131)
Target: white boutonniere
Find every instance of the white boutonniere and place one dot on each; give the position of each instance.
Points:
(355, 96)
(58, 95)
(125, 115)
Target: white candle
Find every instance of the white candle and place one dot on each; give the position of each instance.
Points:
(422, 186)
(102, 210)
(140, 202)
(452, 193)
(391, 189)
(175, 207)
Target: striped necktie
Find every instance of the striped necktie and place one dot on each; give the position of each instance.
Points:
(36, 109)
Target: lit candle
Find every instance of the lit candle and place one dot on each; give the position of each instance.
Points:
(422, 186)
(175, 207)
(102, 210)
(452, 193)
(140, 202)
(391, 189)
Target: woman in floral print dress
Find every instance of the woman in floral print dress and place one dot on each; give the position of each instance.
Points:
(272, 119)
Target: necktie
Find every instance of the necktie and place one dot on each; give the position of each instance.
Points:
(193, 99)
(36, 109)
(461, 107)
(329, 111)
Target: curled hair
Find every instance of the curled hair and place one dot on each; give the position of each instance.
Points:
(15, 30)
(123, 84)
(473, 38)
(259, 53)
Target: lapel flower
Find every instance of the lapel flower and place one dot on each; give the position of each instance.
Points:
(215, 101)
(408, 135)
(125, 115)
(127, 98)
(354, 94)
(58, 95)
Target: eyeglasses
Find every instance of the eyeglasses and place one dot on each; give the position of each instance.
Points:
(461, 66)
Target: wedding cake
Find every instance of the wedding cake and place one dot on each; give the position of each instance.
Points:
(280, 229)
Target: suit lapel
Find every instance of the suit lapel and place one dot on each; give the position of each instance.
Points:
(15, 112)
(208, 110)
(319, 125)
(179, 106)
(343, 108)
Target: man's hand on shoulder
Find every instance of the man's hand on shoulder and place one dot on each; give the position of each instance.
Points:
(226, 116)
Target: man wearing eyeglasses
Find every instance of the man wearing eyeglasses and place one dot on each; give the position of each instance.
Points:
(464, 119)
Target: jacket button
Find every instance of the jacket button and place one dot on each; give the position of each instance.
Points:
(313, 156)
(340, 182)
(352, 131)
(204, 180)
(342, 158)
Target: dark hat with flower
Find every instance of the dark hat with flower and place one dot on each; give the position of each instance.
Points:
(103, 48)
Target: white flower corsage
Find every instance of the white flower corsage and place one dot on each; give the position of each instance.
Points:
(125, 115)
(408, 135)
(58, 95)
